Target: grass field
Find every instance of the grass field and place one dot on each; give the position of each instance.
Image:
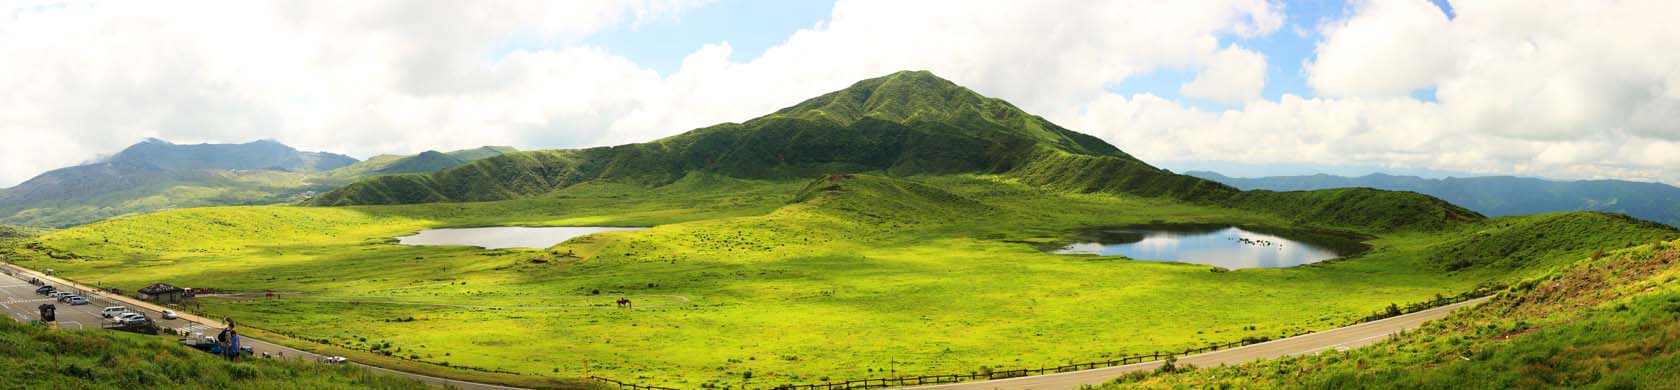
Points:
(1606, 321)
(768, 282)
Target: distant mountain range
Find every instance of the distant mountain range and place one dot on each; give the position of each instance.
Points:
(155, 175)
(1496, 195)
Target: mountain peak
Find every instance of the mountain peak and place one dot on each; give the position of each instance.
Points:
(919, 99)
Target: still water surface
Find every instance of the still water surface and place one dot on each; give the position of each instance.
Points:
(505, 237)
(1223, 246)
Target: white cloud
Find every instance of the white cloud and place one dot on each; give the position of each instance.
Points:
(372, 77)
(1388, 48)
(1574, 89)
(1234, 75)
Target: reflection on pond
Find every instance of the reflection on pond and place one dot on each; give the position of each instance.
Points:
(1229, 247)
(505, 237)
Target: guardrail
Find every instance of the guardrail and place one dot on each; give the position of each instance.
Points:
(631, 386)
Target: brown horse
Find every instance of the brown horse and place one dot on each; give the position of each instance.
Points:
(624, 302)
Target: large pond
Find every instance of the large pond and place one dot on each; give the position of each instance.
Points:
(1229, 247)
(505, 237)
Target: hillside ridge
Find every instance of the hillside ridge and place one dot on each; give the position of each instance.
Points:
(1495, 195)
(904, 124)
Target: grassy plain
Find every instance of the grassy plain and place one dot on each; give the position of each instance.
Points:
(754, 283)
(1606, 321)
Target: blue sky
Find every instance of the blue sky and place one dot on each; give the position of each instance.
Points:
(364, 78)
(752, 26)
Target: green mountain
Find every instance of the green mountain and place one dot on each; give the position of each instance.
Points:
(264, 154)
(480, 153)
(903, 124)
(1497, 195)
(156, 175)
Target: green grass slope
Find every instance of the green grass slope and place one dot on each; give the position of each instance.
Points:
(32, 357)
(1497, 195)
(903, 124)
(792, 280)
(427, 161)
(1610, 321)
(1536, 241)
(157, 175)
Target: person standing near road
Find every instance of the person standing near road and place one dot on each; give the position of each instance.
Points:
(229, 340)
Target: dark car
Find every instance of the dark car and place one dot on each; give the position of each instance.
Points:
(44, 290)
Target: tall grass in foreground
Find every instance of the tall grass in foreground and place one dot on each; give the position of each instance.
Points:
(34, 357)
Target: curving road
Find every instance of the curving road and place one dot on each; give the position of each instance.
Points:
(1343, 338)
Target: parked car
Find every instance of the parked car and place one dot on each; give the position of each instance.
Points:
(169, 314)
(59, 295)
(66, 297)
(113, 311)
(132, 319)
(334, 359)
(77, 301)
(44, 290)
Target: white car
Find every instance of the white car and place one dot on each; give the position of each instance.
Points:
(169, 314)
(113, 311)
(132, 319)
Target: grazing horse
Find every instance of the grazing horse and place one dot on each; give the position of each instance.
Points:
(624, 302)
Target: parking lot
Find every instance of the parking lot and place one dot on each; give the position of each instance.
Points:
(19, 300)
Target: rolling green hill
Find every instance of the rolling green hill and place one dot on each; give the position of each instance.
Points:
(903, 124)
(157, 175)
(1497, 195)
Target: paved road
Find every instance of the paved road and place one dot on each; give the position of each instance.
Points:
(1344, 338)
(19, 301)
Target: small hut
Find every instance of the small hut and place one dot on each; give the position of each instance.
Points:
(161, 293)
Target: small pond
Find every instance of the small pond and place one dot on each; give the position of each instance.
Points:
(1224, 246)
(505, 237)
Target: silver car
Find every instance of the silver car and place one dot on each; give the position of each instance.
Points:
(132, 319)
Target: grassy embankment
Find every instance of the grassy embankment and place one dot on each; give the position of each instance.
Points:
(1607, 321)
(785, 281)
(36, 358)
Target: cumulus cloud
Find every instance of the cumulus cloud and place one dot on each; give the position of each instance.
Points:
(1576, 89)
(1388, 48)
(1583, 89)
(376, 77)
(1233, 75)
